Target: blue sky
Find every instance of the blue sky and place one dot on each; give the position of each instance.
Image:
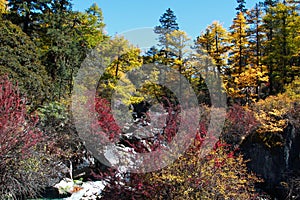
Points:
(193, 16)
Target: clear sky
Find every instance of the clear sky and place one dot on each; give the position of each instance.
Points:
(193, 16)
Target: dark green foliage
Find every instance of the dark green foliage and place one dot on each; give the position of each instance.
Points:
(241, 6)
(65, 39)
(168, 22)
(62, 49)
(27, 13)
(18, 59)
(167, 25)
(269, 3)
(281, 24)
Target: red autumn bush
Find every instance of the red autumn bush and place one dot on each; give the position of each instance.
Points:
(105, 119)
(220, 174)
(239, 123)
(112, 132)
(19, 162)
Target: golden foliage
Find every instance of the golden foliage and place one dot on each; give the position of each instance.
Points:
(273, 114)
(220, 175)
(270, 113)
(246, 84)
(3, 6)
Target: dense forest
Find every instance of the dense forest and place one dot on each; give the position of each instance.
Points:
(253, 66)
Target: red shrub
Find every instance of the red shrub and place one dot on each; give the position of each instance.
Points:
(240, 122)
(111, 132)
(198, 173)
(18, 137)
(17, 132)
(105, 119)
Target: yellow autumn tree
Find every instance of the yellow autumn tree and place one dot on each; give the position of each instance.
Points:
(274, 114)
(3, 6)
(220, 175)
(178, 44)
(244, 77)
(238, 54)
(212, 47)
(246, 85)
(120, 57)
(215, 42)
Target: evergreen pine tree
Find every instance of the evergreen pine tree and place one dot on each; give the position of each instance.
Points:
(241, 6)
(167, 25)
(26, 13)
